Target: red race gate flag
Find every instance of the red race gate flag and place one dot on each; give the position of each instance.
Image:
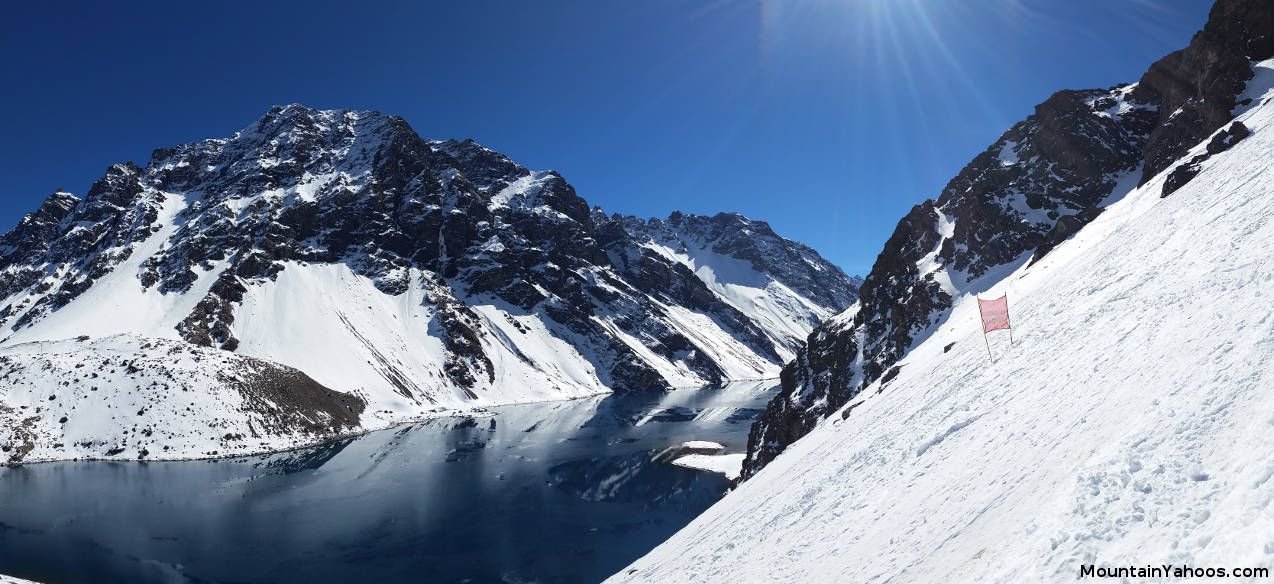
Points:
(995, 313)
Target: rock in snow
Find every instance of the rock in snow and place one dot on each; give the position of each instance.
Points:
(1129, 424)
(413, 277)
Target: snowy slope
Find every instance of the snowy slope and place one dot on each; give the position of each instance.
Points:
(130, 397)
(373, 340)
(1129, 424)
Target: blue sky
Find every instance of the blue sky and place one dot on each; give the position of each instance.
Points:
(827, 118)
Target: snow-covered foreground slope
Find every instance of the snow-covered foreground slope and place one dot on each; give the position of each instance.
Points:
(130, 397)
(1130, 424)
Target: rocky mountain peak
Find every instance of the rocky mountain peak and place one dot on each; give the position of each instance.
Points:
(486, 168)
(287, 144)
(444, 271)
(54, 209)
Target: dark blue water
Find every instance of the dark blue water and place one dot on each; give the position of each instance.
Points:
(554, 492)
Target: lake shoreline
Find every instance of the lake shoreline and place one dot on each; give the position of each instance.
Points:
(478, 412)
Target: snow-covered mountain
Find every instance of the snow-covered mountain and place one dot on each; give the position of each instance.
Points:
(780, 284)
(1041, 182)
(413, 276)
(1130, 423)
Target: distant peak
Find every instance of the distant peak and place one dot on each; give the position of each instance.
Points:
(60, 199)
(295, 114)
(723, 218)
(53, 209)
(479, 159)
(291, 107)
(290, 112)
(731, 215)
(452, 146)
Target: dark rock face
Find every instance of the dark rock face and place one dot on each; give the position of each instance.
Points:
(1226, 139)
(454, 220)
(1195, 88)
(1220, 142)
(1182, 175)
(1040, 183)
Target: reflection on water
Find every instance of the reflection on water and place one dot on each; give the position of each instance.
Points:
(552, 492)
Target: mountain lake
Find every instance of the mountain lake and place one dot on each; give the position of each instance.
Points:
(553, 492)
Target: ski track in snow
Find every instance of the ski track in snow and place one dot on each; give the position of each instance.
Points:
(1129, 424)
